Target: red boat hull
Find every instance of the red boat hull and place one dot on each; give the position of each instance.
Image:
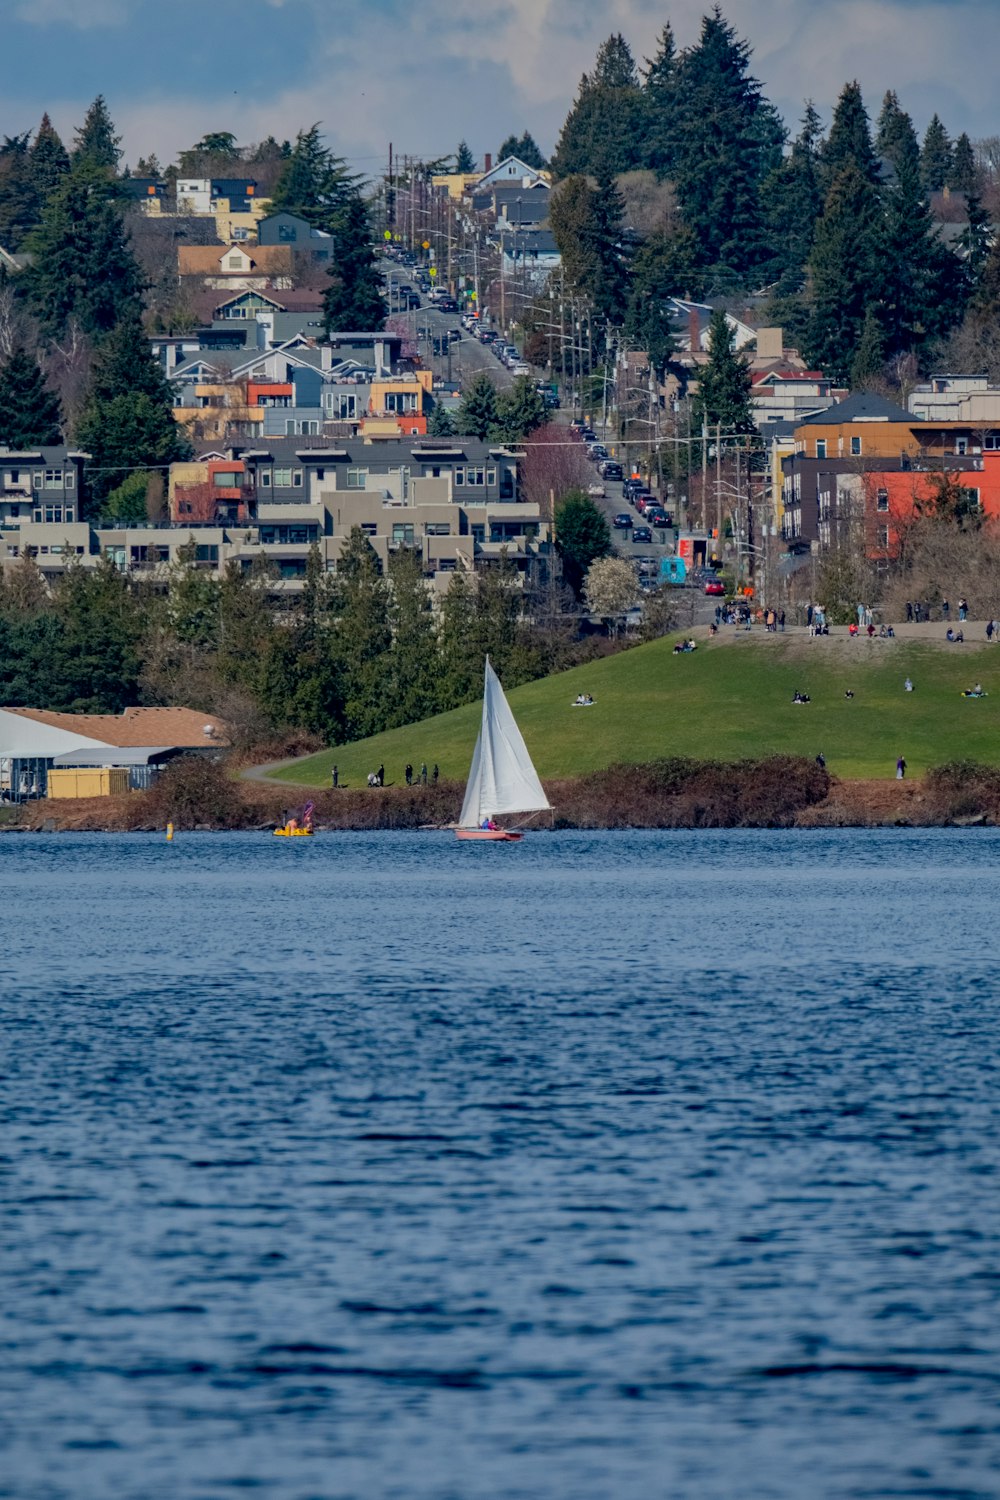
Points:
(489, 835)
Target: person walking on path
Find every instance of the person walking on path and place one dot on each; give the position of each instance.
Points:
(781, 622)
(408, 773)
(963, 609)
(423, 773)
(909, 612)
(945, 607)
(821, 761)
(434, 774)
(900, 769)
(380, 774)
(335, 778)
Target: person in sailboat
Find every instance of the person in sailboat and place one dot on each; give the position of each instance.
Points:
(489, 825)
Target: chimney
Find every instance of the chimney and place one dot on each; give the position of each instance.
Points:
(694, 330)
(489, 162)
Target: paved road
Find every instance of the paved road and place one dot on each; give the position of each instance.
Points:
(468, 356)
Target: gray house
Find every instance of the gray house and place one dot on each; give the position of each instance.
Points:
(291, 229)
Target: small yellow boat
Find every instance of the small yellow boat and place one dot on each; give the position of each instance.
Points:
(293, 833)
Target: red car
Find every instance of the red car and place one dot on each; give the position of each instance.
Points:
(714, 587)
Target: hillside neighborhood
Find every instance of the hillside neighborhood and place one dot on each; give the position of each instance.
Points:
(595, 387)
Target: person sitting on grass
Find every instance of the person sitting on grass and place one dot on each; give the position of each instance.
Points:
(798, 697)
(848, 692)
(974, 692)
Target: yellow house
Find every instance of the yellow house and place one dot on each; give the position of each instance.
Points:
(402, 395)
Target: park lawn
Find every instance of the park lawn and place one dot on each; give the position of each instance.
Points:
(726, 701)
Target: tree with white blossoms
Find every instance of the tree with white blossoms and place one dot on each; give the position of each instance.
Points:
(610, 588)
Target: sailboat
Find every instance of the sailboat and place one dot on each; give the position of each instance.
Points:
(501, 777)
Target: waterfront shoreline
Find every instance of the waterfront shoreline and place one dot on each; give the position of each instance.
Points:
(587, 804)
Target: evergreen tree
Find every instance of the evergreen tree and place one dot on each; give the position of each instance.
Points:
(581, 536)
(895, 141)
(49, 161)
(96, 141)
(362, 638)
(83, 267)
(868, 364)
(29, 412)
(792, 202)
(610, 290)
(723, 398)
(525, 148)
(464, 159)
(849, 143)
(520, 412)
(413, 667)
(192, 600)
(845, 270)
(124, 433)
(920, 278)
(726, 141)
(477, 415)
(101, 628)
(602, 134)
(588, 226)
(965, 175)
(936, 160)
(18, 199)
(124, 365)
(529, 151)
(354, 297)
(440, 423)
(315, 184)
(659, 87)
(661, 269)
(975, 242)
(461, 665)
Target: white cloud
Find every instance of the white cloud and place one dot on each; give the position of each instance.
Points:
(426, 75)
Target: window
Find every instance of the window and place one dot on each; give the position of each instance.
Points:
(297, 479)
(438, 528)
(491, 478)
(961, 445)
(369, 528)
(356, 478)
(882, 500)
(283, 478)
(264, 479)
(475, 477)
(70, 479)
(460, 477)
(225, 481)
(36, 479)
(287, 234)
(235, 262)
(821, 447)
(855, 445)
(402, 533)
(882, 537)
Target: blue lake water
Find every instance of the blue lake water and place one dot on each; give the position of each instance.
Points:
(599, 1166)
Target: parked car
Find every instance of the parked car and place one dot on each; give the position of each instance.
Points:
(596, 491)
(518, 367)
(611, 470)
(641, 534)
(662, 520)
(715, 587)
(623, 521)
(596, 452)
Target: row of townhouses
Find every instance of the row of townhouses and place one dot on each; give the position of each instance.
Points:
(456, 501)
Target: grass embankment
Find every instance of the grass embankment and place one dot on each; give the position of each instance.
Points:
(727, 701)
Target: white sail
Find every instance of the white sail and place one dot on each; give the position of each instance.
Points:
(501, 777)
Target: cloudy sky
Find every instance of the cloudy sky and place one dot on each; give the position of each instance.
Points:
(425, 73)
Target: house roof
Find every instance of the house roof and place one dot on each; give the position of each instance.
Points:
(209, 260)
(178, 728)
(863, 406)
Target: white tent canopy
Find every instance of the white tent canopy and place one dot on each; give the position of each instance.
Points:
(27, 739)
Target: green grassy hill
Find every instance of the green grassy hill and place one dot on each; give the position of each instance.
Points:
(727, 700)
